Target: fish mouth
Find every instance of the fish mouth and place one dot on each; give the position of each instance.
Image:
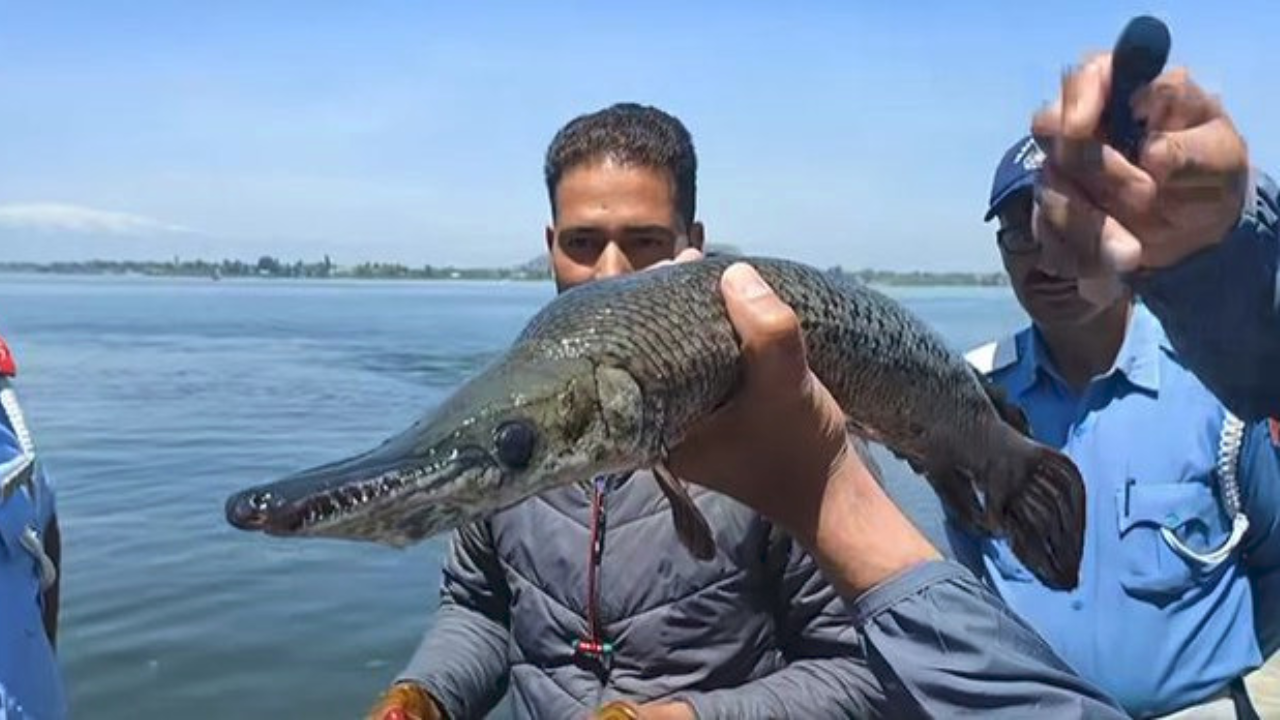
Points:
(362, 497)
(268, 509)
(261, 510)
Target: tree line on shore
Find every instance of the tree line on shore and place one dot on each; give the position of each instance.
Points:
(537, 268)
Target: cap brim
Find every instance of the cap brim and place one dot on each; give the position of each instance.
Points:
(1014, 188)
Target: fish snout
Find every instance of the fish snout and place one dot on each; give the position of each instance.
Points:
(260, 509)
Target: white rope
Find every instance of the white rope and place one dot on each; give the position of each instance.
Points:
(19, 471)
(9, 402)
(22, 472)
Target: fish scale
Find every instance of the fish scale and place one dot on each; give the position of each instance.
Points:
(896, 379)
(869, 351)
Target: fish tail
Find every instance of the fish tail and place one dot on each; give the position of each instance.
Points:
(1033, 495)
(1039, 505)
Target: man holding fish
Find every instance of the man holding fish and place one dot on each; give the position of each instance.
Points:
(913, 618)
(754, 629)
(752, 632)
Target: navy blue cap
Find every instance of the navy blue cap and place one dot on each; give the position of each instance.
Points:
(1017, 171)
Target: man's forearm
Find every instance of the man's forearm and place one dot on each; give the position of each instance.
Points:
(1221, 308)
(975, 655)
(861, 538)
(942, 645)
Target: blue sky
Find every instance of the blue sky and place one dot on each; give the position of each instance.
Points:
(853, 133)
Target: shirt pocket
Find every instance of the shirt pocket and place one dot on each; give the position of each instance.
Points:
(1150, 568)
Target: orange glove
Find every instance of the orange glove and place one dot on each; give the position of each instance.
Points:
(617, 710)
(406, 701)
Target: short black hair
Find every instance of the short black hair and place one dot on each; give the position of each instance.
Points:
(629, 134)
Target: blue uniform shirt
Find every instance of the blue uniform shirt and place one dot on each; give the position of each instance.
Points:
(30, 681)
(1156, 631)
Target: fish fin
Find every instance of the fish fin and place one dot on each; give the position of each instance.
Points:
(856, 428)
(691, 525)
(1038, 503)
(1044, 517)
(1004, 407)
(959, 498)
(913, 461)
(1034, 497)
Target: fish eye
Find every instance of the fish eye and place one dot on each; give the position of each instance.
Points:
(513, 441)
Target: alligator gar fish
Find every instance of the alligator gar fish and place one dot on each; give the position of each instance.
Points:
(610, 375)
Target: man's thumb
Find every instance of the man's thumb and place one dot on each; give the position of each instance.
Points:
(771, 341)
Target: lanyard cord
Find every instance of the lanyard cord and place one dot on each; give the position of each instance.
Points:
(594, 645)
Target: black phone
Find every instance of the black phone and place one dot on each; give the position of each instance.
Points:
(1139, 57)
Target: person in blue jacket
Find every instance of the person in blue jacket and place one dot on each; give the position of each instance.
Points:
(1179, 595)
(30, 549)
(1187, 224)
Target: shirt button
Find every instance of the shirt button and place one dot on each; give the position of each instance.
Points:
(1077, 604)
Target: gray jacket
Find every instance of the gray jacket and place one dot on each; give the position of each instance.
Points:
(755, 632)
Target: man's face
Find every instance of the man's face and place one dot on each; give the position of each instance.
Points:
(612, 220)
(1049, 300)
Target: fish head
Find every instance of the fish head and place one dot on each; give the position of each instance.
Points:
(524, 425)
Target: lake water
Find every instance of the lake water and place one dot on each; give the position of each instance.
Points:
(151, 400)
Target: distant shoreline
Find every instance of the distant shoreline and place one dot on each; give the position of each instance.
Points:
(533, 271)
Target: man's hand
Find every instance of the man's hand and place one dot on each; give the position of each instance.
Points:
(1097, 213)
(781, 447)
(405, 701)
(782, 424)
(778, 386)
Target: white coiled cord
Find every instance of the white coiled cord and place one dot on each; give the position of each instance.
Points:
(1229, 442)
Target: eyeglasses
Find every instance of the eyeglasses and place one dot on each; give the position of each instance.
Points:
(1017, 239)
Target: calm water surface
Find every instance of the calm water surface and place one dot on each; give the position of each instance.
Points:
(151, 400)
